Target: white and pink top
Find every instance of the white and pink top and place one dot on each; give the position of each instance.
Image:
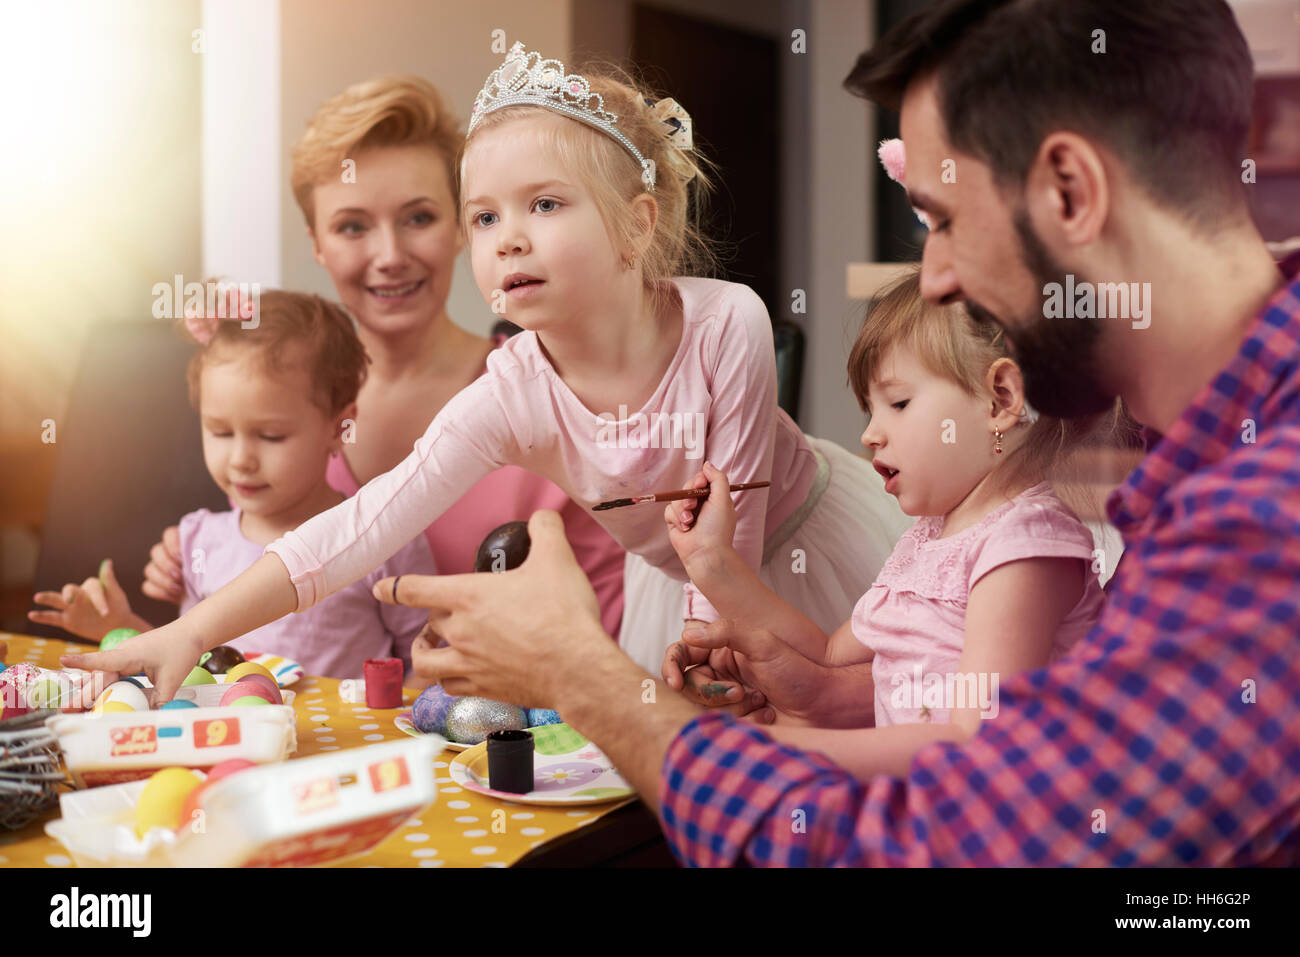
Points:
(716, 401)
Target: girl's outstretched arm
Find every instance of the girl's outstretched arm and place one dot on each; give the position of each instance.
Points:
(257, 597)
(1012, 617)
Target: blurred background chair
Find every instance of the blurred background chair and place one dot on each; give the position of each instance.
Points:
(129, 463)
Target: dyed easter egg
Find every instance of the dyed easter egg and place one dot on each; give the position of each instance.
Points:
(177, 704)
(248, 700)
(45, 693)
(163, 798)
(19, 676)
(504, 548)
(471, 720)
(220, 659)
(262, 681)
(429, 712)
(540, 716)
(227, 768)
(248, 689)
(198, 676)
(192, 805)
(247, 668)
(121, 696)
(116, 637)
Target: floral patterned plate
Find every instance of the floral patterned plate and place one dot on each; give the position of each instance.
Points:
(567, 769)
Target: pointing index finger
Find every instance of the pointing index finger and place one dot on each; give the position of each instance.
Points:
(424, 591)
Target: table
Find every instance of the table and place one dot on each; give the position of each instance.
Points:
(460, 829)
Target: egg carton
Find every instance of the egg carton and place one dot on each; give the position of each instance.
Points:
(298, 813)
(103, 749)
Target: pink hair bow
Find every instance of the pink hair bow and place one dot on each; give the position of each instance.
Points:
(894, 159)
(230, 306)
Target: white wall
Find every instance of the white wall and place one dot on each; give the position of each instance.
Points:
(242, 176)
(841, 209)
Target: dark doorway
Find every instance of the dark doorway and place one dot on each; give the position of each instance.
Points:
(729, 81)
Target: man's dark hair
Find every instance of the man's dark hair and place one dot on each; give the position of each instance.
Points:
(1170, 96)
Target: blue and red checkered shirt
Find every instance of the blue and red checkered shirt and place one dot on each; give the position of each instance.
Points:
(1170, 735)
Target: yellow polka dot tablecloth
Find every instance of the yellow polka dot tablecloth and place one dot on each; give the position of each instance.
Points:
(462, 828)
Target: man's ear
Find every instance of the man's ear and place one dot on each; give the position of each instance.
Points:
(1068, 190)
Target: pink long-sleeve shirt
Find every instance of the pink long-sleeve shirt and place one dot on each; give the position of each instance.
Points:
(717, 401)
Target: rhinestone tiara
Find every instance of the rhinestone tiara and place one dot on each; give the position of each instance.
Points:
(525, 79)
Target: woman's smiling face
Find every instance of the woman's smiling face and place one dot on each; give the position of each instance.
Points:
(389, 239)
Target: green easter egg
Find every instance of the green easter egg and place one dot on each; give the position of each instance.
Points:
(116, 637)
(248, 700)
(199, 677)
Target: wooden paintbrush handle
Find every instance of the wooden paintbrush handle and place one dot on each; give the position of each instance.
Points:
(704, 492)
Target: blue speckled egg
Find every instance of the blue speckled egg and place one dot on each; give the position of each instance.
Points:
(540, 716)
(429, 712)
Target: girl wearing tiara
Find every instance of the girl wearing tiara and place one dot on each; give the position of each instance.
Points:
(575, 202)
(272, 394)
(395, 225)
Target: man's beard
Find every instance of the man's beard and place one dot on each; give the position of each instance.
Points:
(1057, 357)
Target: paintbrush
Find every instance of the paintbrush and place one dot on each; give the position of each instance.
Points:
(700, 493)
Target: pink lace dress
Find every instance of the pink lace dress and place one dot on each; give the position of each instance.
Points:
(914, 616)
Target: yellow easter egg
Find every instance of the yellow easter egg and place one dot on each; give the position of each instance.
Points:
(163, 798)
(246, 668)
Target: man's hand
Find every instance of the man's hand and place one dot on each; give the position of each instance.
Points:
(790, 682)
(711, 678)
(162, 576)
(523, 636)
(90, 610)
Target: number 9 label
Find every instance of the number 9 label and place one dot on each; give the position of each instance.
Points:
(216, 734)
(387, 775)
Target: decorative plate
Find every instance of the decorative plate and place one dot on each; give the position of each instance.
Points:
(286, 672)
(567, 769)
(405, 725)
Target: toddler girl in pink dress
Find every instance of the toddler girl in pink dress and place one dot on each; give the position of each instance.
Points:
(275, 382)
(996, 577)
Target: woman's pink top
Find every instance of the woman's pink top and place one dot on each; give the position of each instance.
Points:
(914, 616)
(716, 400)
(507, 495)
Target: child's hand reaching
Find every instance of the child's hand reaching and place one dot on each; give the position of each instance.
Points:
(91, 609)
(696, 537)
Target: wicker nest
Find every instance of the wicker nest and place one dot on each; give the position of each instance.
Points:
(30, 769)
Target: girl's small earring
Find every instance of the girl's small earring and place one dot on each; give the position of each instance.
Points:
(997, 441)
(629, 264)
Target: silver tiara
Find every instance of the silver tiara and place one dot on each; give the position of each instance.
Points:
(525, 79)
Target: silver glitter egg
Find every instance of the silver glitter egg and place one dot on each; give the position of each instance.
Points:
(471, 720)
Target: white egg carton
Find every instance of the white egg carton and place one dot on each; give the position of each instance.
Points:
(102, 749)
(297, 813)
